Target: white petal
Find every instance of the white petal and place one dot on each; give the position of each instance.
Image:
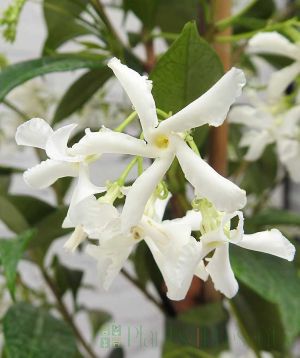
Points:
(156, 207)
(273, 43)
(281, 79)
(201, 271)
(107, 141)
(221, 273)
(258, 145)
(237, 233)
(288, 150)
(193, 219)
(225, 195)
(77, 237)
(47, 172)
(84, 187)
(250, 117)
(212, 107)
(138, 89)
(175, 252)
(290, 121)
(289, 155)
(33, 133)
(293, 168)
(271, 242)
(110, 257)
(57, 144)
(141, 191)
(93, 216)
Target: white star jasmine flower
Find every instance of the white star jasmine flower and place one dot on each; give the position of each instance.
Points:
(62, 162)
(90, 216)
(167, 137)
(216, 235)
(175, 251)
(275, 44)
(265, 124)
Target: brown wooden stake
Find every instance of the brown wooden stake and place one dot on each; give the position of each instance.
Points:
(219, 135)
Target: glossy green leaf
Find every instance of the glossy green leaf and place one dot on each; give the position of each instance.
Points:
(80, 92)
(63, 23)
(202, 327)
(259, 321)
(11, 251)
(32, 332)
(11, 216)
(187, 70)
(14, 75)
(274, 280)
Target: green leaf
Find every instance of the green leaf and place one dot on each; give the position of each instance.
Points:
(14, 75)
(145, 10)
(259, 321)
(4, 183)
(187, 70)
(200, 327)
(98, 319)
(62, 20)
(33, 209)
(80, 92)
(32, 332)
(256, 17)
(66, 278)
(140, 263)
(172, 15)
(173, 351)
(276, 281)
(49, 228)
(11, 216)
(273, 217)
(11, 251)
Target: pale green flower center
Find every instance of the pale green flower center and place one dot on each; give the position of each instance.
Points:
(161, 141)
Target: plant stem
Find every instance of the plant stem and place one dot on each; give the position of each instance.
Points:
(66, 315)
(137, 284)
(125, 173)
(15, 109)
(99, 8)
(150, 53)
(126, 122)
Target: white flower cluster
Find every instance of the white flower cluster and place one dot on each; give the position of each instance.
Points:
(113, 233)
(273, 120)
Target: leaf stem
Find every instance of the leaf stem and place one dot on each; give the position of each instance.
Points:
(137, 284)
(126, 122)
(66, 315)
(162, 113)
(125, 173)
